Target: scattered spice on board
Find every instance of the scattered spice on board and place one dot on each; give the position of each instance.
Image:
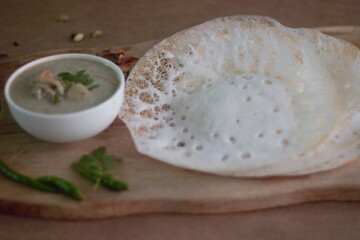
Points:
(97, 34)
(117, 56)
(64, 18)
(77, 37)
(3, 55)
(16, 44)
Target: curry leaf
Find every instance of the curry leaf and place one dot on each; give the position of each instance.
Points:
(96, 165)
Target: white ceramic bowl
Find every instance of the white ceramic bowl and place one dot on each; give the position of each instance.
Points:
(68, 127)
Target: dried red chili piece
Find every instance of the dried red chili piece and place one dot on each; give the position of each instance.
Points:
(117, 56)
(112, 52)
(127, 59)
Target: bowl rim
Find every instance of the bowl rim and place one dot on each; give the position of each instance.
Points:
(39, 61)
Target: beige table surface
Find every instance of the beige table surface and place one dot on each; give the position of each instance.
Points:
(33, 25)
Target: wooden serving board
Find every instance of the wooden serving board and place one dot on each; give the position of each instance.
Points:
(155, 186)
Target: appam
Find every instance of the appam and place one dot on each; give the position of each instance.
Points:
(246, 96)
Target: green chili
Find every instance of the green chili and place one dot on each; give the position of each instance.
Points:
(92, 175)
(92, 168)
(63, 186)
(46, 184)
(114, 184)
(25, 180)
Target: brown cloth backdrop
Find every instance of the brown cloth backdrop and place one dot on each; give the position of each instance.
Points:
(34, 26)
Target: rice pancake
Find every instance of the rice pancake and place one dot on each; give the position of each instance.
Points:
(247, 96)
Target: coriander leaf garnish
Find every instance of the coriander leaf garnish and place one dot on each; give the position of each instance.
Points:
(96, 166)
(80, 77)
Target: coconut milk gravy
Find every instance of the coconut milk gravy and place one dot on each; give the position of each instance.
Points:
(21, 89)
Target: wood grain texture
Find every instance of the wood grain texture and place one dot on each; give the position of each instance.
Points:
(155, 186)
